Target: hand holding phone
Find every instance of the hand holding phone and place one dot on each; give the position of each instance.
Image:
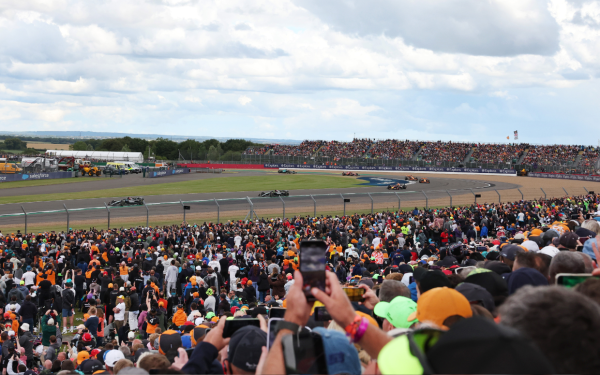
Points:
(355, 294)
(232, 325)
(313, 255)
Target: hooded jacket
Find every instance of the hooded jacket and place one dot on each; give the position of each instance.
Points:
(180, 317)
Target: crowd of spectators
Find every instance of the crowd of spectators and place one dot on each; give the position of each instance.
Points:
(589, 157)
(394, 149)
(555, 155)
(455, 152)
(449, 290)
(498, 153)
(355, 149)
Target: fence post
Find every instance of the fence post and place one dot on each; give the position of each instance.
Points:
(182, 206)
(399, 201)
(251, 209)
(371, 203)
(343, 200)
(108, 210)
(450, 195)
(545, 196)
(426, 200)
(282, 201)
(499, 197)
(475, 196)
(565, 190)
(521, 194)
(218, 211)
(315, 206)
(586, 190)
(67, 211)
(25, 212)
(147, 215)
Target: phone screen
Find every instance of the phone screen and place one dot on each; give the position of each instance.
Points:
(313, 255)
(354, 294)
(571, 280)
(232, 325)
(304, 354)
(272, 327)
(321, 314)
(276, 312)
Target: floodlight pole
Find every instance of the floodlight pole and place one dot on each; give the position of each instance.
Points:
(147, 215)
(426, 200)
(315, 206)
(371, 203)
(108, 211)
(399, 201)
(282, 201)
(218, 211)
(25, 212)
(450, 195)
(67, 211)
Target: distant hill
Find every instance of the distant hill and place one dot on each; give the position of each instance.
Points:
(75, 135)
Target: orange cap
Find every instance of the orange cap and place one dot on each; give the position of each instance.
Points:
(438, 304)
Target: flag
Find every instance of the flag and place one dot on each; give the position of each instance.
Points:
(516, 135)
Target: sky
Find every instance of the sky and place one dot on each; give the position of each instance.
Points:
(460, 70)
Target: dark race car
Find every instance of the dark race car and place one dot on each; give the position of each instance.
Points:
(411, 178)
(129, 201)
(284, 170)
(274, 193)
(353, 174)
(424, 181)
(397, 186)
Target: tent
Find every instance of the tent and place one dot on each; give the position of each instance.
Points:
(135, 157)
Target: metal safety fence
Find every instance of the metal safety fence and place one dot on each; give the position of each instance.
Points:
(74, 214)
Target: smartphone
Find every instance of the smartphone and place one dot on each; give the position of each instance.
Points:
(276, 312)
(355, 294)
(353, 281)
(579, 248)
(304, 354)
(570, 280)
(321, 314)
(232, 325)
(574, 216)
(313, 255)
(272, 326)
(481, 248)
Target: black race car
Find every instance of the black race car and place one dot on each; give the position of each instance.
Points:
(274, 193)
(129, 201)
(284, 170)
(397, 186)
(349, 174)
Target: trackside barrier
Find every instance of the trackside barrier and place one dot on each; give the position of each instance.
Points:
(167, 172)
(560, 176)
(35, 176)
(393, 169)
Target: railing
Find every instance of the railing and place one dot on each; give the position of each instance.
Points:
(64, 214)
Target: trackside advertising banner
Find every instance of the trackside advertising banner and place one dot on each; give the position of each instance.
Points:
(168, 172)
(401, 169)
(35, 176)
(579, 177)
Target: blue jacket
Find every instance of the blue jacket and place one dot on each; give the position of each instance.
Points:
(203, 360)
(413, 291)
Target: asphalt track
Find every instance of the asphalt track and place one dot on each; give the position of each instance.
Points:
(231, 201)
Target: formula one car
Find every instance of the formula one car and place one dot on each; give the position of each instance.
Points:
(411, 178)
(424, 181)
(354, 174)
(129, 201)
(288, 171)
(275, 193)
(397, 186)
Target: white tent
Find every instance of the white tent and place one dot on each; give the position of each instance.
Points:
(135, 157)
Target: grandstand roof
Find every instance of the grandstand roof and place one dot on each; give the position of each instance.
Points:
(136, 157)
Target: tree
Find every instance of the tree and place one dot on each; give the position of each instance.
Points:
(90, 148)
(15, 144)
(125, 148)
(79, 146)
(212, 153)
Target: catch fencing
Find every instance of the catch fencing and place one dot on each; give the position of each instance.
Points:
(74, 214)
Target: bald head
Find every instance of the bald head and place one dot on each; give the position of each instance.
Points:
(47, 364)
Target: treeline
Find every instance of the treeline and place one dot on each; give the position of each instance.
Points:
(15, 144)
(166, 149)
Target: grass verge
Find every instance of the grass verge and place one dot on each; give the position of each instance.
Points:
(28, 183)
(213, 185)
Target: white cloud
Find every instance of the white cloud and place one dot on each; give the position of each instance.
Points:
(244, 100)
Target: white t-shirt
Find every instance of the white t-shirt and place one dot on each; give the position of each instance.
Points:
(232, 271)
(29, 278)
(121, 314)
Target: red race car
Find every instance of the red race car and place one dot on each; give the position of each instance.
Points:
(353, 174)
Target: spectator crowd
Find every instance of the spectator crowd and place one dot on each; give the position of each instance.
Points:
(448, 290)
(456, 152)
(498, 153)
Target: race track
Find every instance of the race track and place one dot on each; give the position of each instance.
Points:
(299, 200)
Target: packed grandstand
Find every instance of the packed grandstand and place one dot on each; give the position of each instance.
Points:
(476, 283)
(434, 152)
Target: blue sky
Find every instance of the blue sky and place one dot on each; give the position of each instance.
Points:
(462, 70)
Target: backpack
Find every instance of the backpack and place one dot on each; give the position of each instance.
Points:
(211, 280)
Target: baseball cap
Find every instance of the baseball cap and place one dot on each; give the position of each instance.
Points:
(438, 304)
(210, 315)
(131, 335)
(198, 333)
(82, 356)
(120, 297)
(94, 353)
(112, 357)
(524, 276)
(22, 282)
(512, 352)
(397, 357)
(433, 279)
(531, 246)
(569, 240)
(86, 337)
(510, 251)
(169, 340)
(91, 365)
(397, 311)
(476, 293)
(552, 251)
(245, 347)
(340, 354)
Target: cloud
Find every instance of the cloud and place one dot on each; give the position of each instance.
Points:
(474, 27)
(244, 100)
(243, 26)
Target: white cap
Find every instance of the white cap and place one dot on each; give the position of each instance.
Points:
(121, 289)
(531, 246)
(25, 327)
(112, 357)
(50, 322)
(550, 250)
(11, 333)
(131, 335)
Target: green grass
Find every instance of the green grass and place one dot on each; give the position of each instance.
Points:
(27, 183)
(213, 185)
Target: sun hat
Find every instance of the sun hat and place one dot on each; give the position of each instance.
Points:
(438, 304)
(397, 311)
